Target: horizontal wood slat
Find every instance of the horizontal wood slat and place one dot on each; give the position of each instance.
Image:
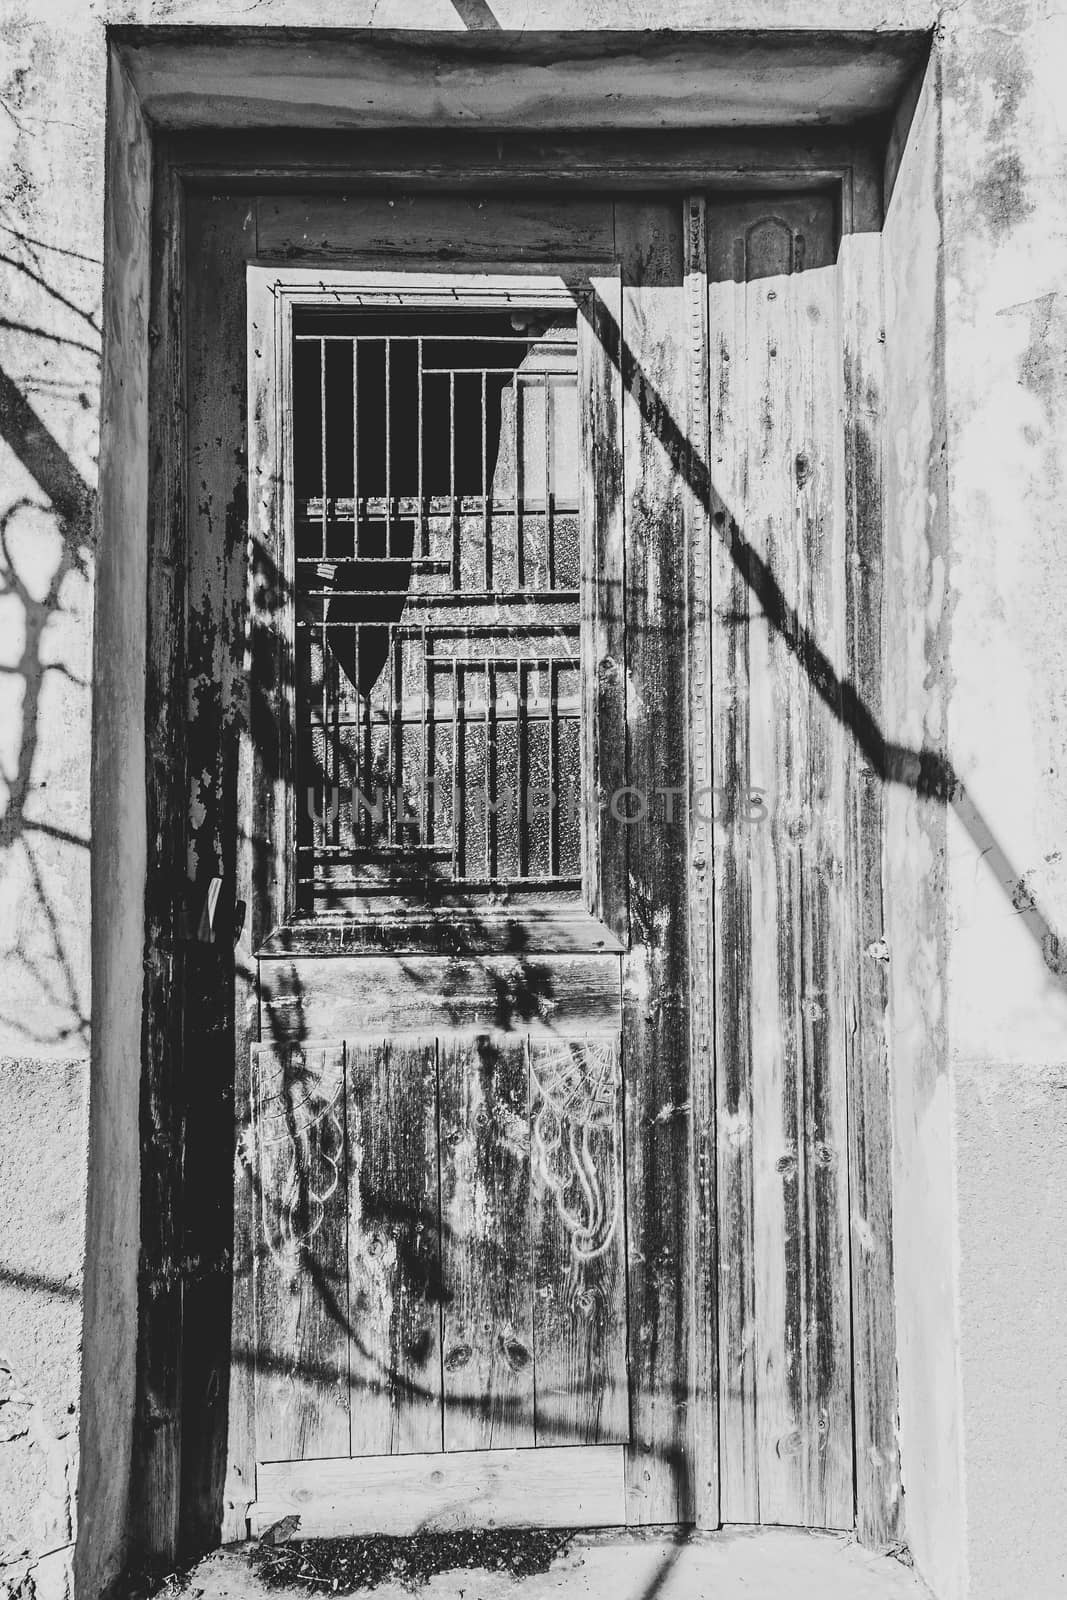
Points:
(335, 997)
(412, 228)
(578, 1487)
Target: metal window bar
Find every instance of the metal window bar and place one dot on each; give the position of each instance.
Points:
(424, 527)
(553, 766)
(388, 406)
(322, 433)
(457, 581)
(355, 449)
(548, 479)
(422, 613)
(489, 771)
(456, 808)
(520, 570)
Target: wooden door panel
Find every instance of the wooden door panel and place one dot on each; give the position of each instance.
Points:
(441, 1247)
(300, 1271)
(577, 1215)
(394, 1259)
(782, 765)
(487, 1265)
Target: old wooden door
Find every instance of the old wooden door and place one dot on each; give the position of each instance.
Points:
(463, 1213)
(523, 696)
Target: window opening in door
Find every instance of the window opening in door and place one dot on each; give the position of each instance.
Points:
(437, 561)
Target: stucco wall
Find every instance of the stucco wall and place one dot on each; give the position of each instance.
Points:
(51, 152)
(1005, 191)
(976, 877)
(917, 679)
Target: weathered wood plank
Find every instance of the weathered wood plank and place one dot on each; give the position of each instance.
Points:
(603, 640)
(394, 1263)
(409, 229)
(705, 1377)
(301, 1262)
(777, 755)
(731, 603)
(878, 1492)
(239, 766)
(271, 803)
(578, 1217)
(824, 1312)
(337, 996)
(788, 1444)
(413, 161)
(218, 1026)
(486, 1250)
(154, 1527)
(650, 351)
(552, 1488)
(448, 931)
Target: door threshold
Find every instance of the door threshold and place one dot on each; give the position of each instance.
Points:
(626, 1564)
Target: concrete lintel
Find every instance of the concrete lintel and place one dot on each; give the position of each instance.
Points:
(324, 79)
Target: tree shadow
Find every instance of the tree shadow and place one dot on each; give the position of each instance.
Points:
(928, 772)
(68, 503)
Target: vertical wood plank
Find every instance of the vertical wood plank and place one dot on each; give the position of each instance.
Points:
(394, 1289)
(254, 313)
(486, 1246)
(155, 1513)
(705, 1376)
(777, 755)
(603, 632)
(878, 1495)
(655, 981)
(220, 1012)
(778, 432)
(731, 605)
(301, 1265)
(271, 624)
(578, 1225)
(823, 891)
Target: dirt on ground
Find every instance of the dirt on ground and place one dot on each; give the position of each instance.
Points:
(343, 1566)
(346, 1566)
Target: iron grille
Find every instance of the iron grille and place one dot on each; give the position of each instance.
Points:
(437, 563)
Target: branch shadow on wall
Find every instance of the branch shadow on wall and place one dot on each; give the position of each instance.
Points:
(68, 499)
(928, 772)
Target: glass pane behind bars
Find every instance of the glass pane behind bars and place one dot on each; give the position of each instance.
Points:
(437, 609)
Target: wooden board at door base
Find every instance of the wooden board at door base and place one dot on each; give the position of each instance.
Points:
(576, 1487)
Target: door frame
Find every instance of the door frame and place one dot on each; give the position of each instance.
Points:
(184, 1383)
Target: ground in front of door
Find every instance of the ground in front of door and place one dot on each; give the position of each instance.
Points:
(762, 1564)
